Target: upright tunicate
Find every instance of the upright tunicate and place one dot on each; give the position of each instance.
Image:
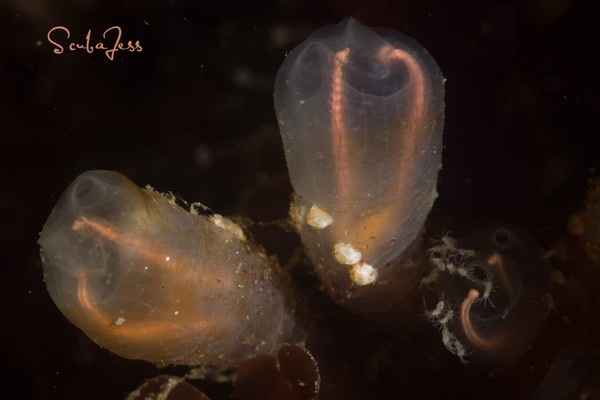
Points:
(361, 115)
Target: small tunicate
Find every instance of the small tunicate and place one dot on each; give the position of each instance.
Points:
(493, 287)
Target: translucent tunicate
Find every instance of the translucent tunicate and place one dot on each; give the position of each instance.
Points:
(361, 115)
(149, 280)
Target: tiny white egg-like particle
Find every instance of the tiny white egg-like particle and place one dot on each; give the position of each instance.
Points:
(346, 254)
(318, 218)
(363, 274)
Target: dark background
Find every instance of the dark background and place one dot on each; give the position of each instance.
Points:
(193, 114)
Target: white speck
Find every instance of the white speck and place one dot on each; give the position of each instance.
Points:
(38, 43)
(363, 274)
(168, 258)
(318, 218)
(230, 226)
(145, 268)
(119, 321)
(146, 23)
(346, 254)
(176, 313)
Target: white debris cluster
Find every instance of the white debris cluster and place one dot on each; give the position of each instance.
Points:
(445, 257)
(361, 273)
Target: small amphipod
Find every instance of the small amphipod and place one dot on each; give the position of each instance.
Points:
(494, 285)
(361, 115)
(149, 280)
